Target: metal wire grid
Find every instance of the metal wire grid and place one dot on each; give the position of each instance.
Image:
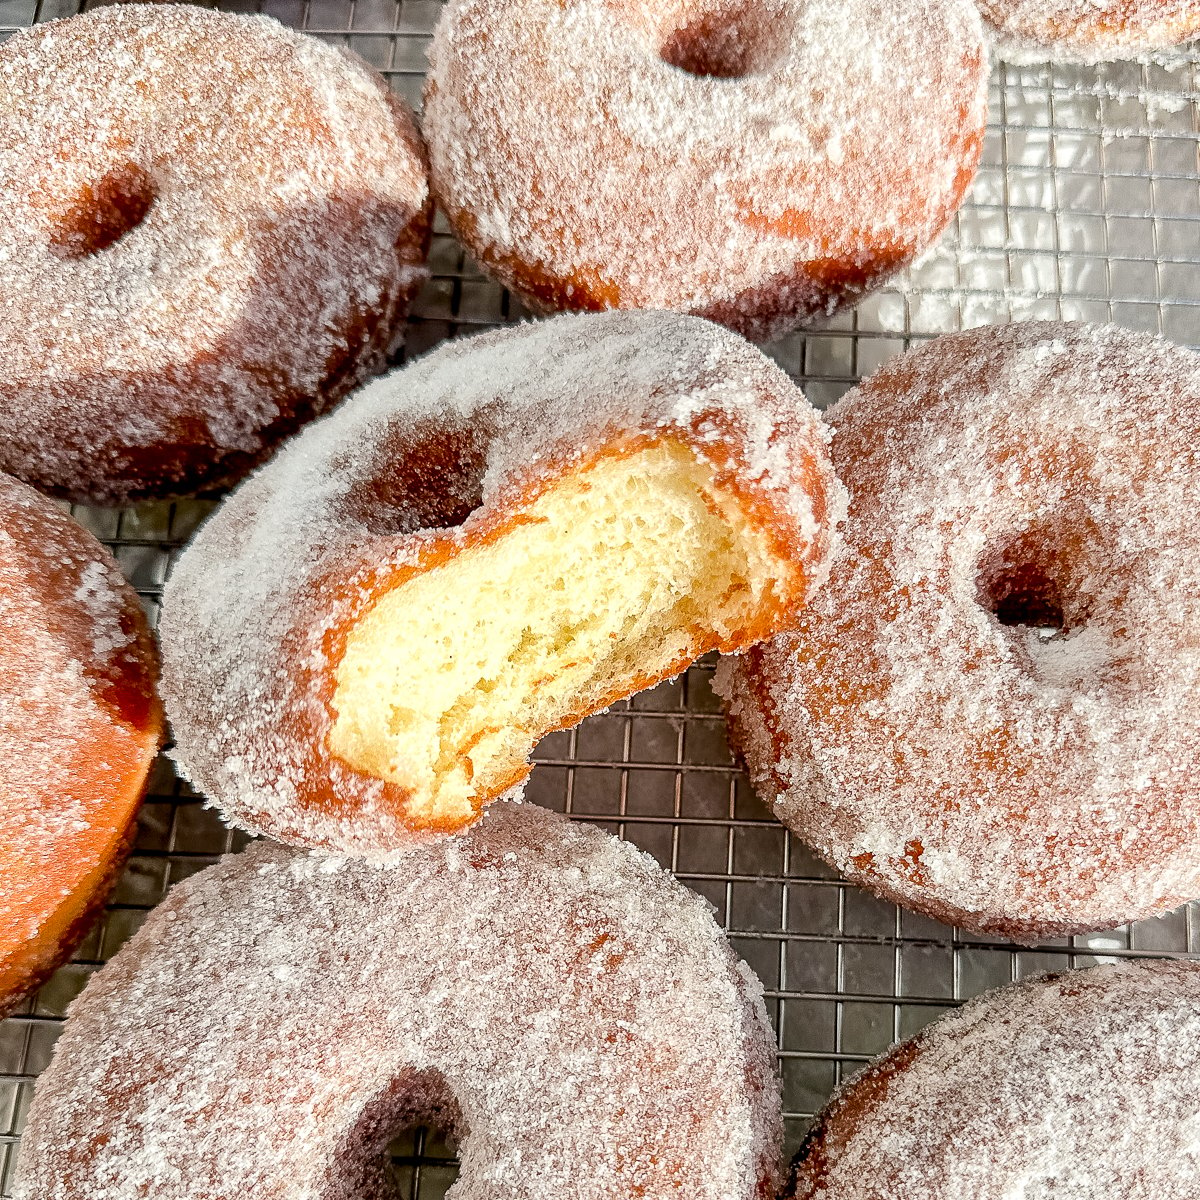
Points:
(1087, 207)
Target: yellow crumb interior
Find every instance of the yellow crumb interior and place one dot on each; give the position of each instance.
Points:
(618, 573)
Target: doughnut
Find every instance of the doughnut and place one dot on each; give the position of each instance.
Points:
(80, 725)
(363, 645)
(985, 714)
(1092, 29)
(541, 989)
(212, 229)
(756, 162)
(1074, 1086)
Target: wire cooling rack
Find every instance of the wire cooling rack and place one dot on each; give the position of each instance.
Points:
(1087, 207)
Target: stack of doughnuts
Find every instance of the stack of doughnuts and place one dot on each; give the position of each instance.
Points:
(962, 646)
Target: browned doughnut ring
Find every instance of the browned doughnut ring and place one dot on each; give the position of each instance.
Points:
(211, 229)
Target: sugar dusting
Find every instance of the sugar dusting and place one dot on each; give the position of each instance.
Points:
(1089, 30)
(296, 550)
(546, 989)
(586, 171)
(286, 225)
(76, 681)
(991, 774)
(1073, 1087)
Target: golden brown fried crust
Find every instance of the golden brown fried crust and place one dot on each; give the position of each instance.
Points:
(328, 781)
(71, 816)
(52, 956)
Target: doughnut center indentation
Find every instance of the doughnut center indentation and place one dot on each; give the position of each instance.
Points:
(430, 479)
(103, 212)
(725, 40)
(1027, 595)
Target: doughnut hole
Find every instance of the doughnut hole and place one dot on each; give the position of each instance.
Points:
(386, 1130)
(1026, 595)
(103, 212)
(1040, 588)
(723, 39)
(1029, 581)
(617, 575)
(433, 479)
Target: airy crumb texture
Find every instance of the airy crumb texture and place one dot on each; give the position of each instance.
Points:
(757, 162)
(1090, 30)
(615, 575)
(1080, 1086)
(543, 989)
(211, 229)
(362, 646)
(987, 713)
(79, 728)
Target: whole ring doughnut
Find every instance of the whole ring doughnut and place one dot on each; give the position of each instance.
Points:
(80, 725)
(985, 714)
(1025, 1092)
(211, 229)
(541, 989)
(756, 162)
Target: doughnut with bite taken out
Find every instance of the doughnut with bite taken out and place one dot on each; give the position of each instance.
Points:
(987, 714)
(363, 645)
(756, 162)
(211, 230)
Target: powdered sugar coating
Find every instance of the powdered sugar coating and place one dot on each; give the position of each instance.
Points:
(987, 774)
(543, 987)
(587, 171)
(307, 543)
(79, 726)
(1090, 30)
(1078, 1086)
(287, 221)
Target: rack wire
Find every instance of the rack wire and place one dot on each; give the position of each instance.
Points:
(1087, 207)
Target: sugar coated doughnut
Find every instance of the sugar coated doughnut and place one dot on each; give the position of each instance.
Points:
(1078, 1086)
(757, 162)
(985, 715)
(542, 989)
(211, 230)
(1092, 28)
(363, 645)
(79, 727)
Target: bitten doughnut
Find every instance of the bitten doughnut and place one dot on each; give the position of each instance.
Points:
(212, 228)
(1092, 29)
(1075, 1086)
(756, 162)
(363, 645)
(985, 715)
(543, 990)
(80, 725)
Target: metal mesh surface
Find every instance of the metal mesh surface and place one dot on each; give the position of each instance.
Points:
(1088, 207)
